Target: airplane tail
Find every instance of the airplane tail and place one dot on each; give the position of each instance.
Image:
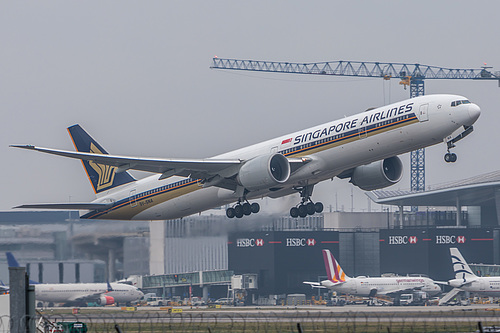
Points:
(333, 269)
(12, 262)
(460, 266)
(102, 177)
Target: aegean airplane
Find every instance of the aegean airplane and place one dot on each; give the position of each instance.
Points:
(466, 280)
(371, 286)
(362, 147)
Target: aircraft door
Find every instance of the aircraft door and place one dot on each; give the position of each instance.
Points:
(423, 114)
(362, 132)
(133, 198)
(482, 285)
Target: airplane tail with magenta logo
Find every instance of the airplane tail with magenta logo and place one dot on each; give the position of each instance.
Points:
(102, 177)
(333, 270)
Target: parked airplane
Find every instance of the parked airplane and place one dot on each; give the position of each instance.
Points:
(81, 293)
(466, 280)
(363, 147)
(371, 286)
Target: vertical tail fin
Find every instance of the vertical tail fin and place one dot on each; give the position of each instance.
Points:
(12, 262)
(102, 177)
(460, 266)
(333, 269)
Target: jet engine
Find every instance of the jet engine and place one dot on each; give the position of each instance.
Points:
(106, 300)
(378, 174)
(263, 172)
(457, 283)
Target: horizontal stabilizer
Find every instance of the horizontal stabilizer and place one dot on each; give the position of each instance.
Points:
(314, 284)
(68, 206)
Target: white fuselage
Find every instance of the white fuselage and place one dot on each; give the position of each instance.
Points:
(372, 286)
(71, 292)
(483, 286)
(332, 148)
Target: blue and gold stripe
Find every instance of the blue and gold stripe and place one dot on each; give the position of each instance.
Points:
(133, 205)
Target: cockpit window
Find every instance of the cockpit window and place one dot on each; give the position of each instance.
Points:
(457, 103)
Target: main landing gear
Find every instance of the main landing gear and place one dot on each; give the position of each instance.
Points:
(307, 206)
(242, 209)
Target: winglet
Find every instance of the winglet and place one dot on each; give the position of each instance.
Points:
(333, 269)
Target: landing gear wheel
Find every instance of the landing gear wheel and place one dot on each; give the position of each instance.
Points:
(450, 157)
(247, 209)
(255, 207)
(302, 211)
(230, 213)
(318, 207)
(310, 208)
(238, 211)
(294, 212)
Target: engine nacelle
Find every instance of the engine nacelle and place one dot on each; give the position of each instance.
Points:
(106, 300)
(456, 283)
(378, 174)
(264, 171)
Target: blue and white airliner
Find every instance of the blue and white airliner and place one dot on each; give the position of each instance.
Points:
(362, 147)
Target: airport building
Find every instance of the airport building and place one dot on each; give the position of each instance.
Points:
(199, 254)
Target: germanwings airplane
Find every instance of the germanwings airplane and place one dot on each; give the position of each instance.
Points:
(371, 286)
(466, 280)
(362, 147)
(81, 293)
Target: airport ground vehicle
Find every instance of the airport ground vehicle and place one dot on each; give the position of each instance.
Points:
(415, 298)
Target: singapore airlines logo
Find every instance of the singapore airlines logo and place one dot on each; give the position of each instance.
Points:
(106, 172)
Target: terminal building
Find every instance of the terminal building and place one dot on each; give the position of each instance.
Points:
(199, 255)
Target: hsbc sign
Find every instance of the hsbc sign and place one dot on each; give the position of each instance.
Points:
(295, 242)
(249, 242)
(402, 240)
(446, 239)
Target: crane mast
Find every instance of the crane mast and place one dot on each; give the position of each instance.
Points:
(412, 75)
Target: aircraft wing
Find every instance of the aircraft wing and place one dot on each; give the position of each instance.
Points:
(212, 171)
(397, 292)
(69, 205)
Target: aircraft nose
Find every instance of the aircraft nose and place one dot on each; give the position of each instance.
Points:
(474, 112)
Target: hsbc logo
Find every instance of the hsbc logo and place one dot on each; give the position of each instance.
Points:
(296, 242)
(402, 240)
(445, 239)
(249, 242)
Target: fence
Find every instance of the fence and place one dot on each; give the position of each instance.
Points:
(463, 320)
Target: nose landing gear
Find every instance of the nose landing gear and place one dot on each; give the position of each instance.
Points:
(450, 157)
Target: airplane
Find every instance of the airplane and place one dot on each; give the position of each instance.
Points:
(81, 293)
(371, 286)
(362, 147)
(466, 280)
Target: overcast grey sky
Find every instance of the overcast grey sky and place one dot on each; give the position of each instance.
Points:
(135, 74)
